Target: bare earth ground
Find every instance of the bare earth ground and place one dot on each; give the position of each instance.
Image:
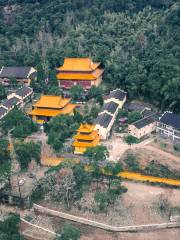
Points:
(148, 153)
(117, 147)
(167, 234)
(165, 145)
(138, 206)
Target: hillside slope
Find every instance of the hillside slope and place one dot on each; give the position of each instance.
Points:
(137, 41)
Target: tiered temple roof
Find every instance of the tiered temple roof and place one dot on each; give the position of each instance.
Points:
(79, 69)
(51, 106)
(86, 137)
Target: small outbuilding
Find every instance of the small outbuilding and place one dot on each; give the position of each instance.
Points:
(23, 75)
(9, 104)
(143, 126)
(104, 123)
(118, 96)
(168, 126)
(24, 94)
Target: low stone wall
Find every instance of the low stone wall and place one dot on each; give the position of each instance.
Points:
(134, 228)
(25, 226)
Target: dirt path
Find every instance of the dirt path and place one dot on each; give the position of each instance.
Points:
(117, 147)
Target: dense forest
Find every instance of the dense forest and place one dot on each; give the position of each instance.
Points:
(138, 41)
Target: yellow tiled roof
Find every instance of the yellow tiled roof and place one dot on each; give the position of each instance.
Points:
(44, 112)
(52, 112)
(93, 143)
(80, 150)
(78, 64)
(49, 101)
(90, 136)
(86, 128)
(80, 76)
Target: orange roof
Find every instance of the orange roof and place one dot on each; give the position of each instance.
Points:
(52, 112)
(48, 101)
(80, 76)
(90, 136)
(78, 64)
(86, 128)
(93, 143)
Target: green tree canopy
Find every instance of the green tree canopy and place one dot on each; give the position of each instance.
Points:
(26, 152)
(129, 139)
(59, 129)
(2, 92)
(133, 117)
(20, 124)
(9, 228)
(97, 154)
(4, 151)
(76, 92)
(69, 232)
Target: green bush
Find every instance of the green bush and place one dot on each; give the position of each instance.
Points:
(21, 124)
(4, 152)
(129, 139)
(156, 169)
(132, 163)
(9, 228)
(69, 232)
(133, 117)
(176, 148)
(26, 152)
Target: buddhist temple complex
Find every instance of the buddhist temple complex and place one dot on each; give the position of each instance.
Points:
(86, 137)
(82, 71)
(51, 106)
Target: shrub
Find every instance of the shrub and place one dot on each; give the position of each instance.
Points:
(26, 152)
(129, 139)
(176, 148)
(132, 163)
(69, 232)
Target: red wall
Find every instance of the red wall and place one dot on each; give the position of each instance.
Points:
(86, 84)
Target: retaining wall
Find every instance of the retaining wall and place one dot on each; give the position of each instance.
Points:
(134, 228)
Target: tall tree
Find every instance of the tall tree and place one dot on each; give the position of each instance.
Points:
(2, 92)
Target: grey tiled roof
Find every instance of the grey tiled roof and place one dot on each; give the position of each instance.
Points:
(171, 119)
(117, 94)
(9, 103)
(22, 92)
(17, 72)
(103, 120)
(145, 121)
(110, 107)
(2, 112)
(136, 106)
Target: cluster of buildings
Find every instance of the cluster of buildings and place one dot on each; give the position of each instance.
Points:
(85, 72)
(17, 98)
(89, 135)
(106, 118)
(166, 125)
